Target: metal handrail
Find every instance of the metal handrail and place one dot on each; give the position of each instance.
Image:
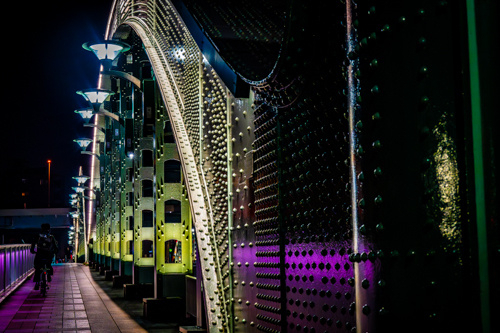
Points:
(16, 265)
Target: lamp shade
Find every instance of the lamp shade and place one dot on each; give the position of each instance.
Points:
(83, 143)
(78, 189)
(81, 179)
(86, 114)
(106, 50)
(95, 95)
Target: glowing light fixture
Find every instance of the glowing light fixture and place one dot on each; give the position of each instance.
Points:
(78, 189)
(95, 96)
(107, 50)
(81, 179)
(74, 214)
(86, 114)
(83, 143)
(73, 195)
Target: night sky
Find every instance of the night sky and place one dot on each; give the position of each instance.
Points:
(43, 66)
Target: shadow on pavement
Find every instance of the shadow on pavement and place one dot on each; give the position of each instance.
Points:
(133, 307)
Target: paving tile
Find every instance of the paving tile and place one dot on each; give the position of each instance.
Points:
(69, 323)
(68, 314)
(82, 323)
(74, 303)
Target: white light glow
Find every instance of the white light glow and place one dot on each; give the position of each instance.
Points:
(106, 51)
(85, 113)
(83, 143)
(81, 179)
(96, 96)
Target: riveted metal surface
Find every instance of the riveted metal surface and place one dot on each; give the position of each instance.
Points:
(334, 198)
(413, 214)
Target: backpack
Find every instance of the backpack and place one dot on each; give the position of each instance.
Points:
(45, 244)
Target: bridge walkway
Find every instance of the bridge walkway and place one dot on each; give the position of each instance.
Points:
(75, 302)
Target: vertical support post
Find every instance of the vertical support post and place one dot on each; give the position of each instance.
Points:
(362, 324)
(86, 239)
(155, 239)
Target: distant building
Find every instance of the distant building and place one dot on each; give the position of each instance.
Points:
(19, 226)
(27, 187)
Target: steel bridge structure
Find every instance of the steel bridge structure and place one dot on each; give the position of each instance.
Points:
(317, 166)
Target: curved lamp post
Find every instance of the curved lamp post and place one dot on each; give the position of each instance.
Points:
(96, 97)
(107, 52)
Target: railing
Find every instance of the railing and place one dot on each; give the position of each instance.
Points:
(16, 264)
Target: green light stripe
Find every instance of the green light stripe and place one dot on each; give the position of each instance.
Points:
(477, 144)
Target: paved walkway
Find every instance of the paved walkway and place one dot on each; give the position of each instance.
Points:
(74, 303)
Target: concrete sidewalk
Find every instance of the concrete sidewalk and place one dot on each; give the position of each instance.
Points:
(74, 303)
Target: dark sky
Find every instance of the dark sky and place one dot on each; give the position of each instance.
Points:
(43, 65)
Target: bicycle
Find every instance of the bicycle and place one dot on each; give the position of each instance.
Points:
(44, 285)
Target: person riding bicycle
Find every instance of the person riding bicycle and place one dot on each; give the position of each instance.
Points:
(46, 247)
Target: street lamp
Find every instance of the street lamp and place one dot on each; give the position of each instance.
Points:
(85, 113)
(83, 143)
(81, 179)
(95, 96)
(107, 51)
(78, 189)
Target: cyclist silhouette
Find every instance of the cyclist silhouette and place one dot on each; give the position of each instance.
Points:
(46, 247)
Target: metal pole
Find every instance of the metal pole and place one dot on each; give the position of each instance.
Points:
(49, 161)
(85, 240)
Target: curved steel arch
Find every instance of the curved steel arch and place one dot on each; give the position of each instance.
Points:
(143, 21)
(201, 216)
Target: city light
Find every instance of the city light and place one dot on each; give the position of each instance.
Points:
(83, 143)
(107, 50)
(78, 189)
(86, 114)
(95, 96)
(81, 179)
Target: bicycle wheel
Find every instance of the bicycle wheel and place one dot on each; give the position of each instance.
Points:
(43, 287)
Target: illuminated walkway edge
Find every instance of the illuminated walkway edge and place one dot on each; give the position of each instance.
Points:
(75, 302)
